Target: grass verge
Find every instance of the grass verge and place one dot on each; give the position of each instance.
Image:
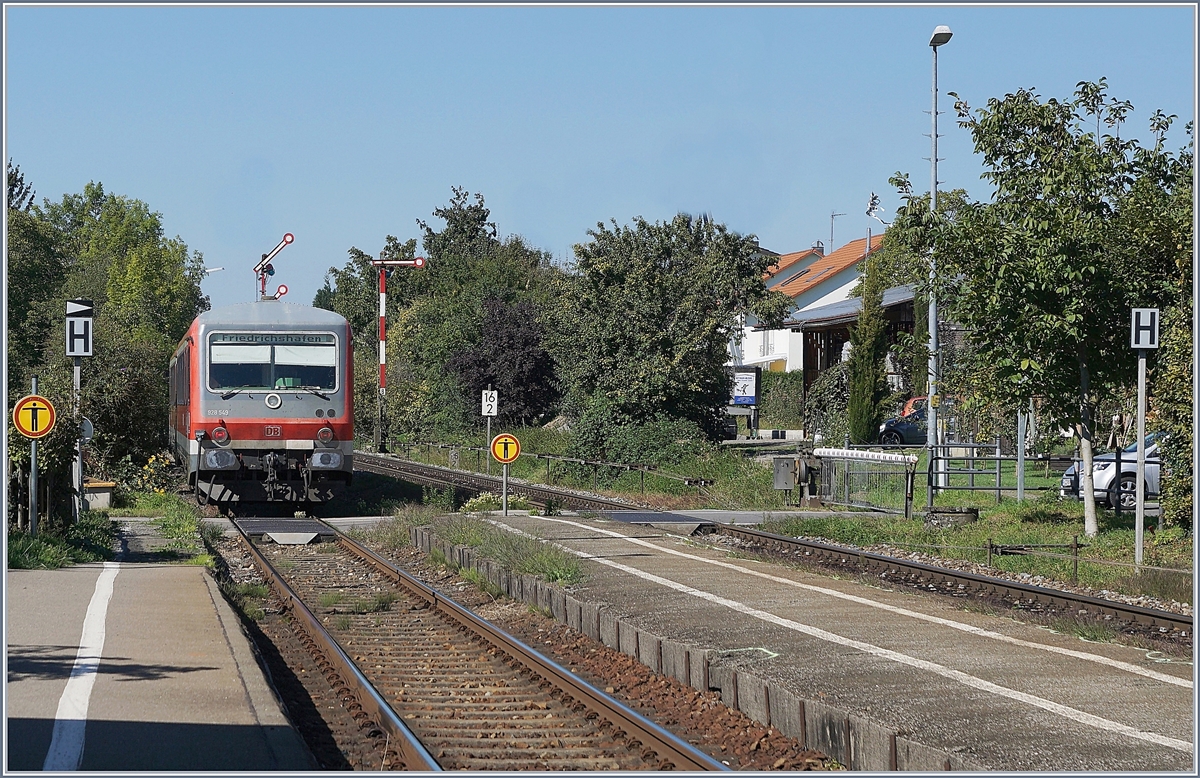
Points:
(1042, 521)
(89, 540)
(519, 554)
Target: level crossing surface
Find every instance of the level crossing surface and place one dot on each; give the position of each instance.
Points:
(136, 666)
(999, 693)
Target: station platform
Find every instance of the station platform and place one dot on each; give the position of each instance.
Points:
(136, 665)
(872, 675)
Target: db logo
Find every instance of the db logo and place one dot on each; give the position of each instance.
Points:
(272, 431)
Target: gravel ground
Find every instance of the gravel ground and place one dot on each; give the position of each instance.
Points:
(335, 738)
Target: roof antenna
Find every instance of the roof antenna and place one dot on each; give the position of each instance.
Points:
(832, 216)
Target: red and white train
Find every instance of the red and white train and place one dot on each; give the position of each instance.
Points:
(262, 403)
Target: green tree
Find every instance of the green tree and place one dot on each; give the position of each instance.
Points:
(35, 278)
(900, 260)
(868, 348)
(20, 193)
(444, 342)
(641, 327)
(353, 289)
(146, 289)
(510, 356)
(1040, 276)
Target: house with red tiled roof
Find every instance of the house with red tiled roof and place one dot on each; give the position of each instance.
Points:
(812, 279)
(788, 266)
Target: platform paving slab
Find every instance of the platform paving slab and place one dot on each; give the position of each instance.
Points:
(178, 686)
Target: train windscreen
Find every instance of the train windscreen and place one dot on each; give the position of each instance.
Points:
(272, 361)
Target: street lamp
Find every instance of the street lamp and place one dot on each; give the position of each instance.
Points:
(941, 35)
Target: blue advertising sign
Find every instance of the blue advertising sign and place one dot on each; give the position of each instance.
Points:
(745, 385)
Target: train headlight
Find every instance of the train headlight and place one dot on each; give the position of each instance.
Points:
(220, 435)
(325, 435)
(325, 460)
(220, 459)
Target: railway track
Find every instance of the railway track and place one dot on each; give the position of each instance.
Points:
(433, 475)
(925, 575)
(892, 568)
(449, 690)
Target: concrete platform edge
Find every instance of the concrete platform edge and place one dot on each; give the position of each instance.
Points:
(855, 741)
(268, 708)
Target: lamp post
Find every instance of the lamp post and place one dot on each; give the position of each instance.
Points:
(941, 35)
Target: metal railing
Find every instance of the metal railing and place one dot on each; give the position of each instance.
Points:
(875, 480)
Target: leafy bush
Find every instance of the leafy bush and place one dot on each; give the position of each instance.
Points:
(441, 499)
(1173, 414)
(783, 399)
(601, 433)
(825, 406)
(158, 476)
(488, 501)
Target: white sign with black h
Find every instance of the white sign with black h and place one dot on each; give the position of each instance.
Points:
(79, 328)
(1144, 326)
(490, 401)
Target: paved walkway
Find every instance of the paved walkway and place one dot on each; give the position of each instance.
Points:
(136, 665)
(997, 693)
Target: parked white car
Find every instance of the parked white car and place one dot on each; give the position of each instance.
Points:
(1105, 480)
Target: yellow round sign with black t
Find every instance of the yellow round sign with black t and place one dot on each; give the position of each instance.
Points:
(34, 416)
(505, 448)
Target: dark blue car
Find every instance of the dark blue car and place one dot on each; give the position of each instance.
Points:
(905, 430)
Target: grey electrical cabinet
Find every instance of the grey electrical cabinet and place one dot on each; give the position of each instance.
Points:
(785, 473)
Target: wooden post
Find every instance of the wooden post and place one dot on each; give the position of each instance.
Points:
(989, 552)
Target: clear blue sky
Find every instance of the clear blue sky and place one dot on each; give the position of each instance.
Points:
(346, 124)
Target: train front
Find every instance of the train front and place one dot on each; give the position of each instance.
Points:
(274, 418)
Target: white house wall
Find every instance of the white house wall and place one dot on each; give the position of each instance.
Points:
(786, 344)
(836, 289)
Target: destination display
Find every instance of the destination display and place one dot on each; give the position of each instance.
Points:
(272, 338)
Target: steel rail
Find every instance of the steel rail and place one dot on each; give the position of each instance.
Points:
(435, 475)
(1029, 593)
(409, 749)
(666, 746)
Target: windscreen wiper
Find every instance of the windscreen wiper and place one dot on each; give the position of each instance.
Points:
(315, 391)
(232, 392)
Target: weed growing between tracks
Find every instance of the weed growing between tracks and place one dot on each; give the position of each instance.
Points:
(249, 598)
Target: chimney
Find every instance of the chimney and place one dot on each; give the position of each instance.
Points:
(819, 247)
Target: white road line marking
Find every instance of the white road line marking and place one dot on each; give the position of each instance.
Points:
(971, 629)
(884, 653)
(66, 744)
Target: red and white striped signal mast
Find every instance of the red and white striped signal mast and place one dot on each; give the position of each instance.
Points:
(385, 266)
